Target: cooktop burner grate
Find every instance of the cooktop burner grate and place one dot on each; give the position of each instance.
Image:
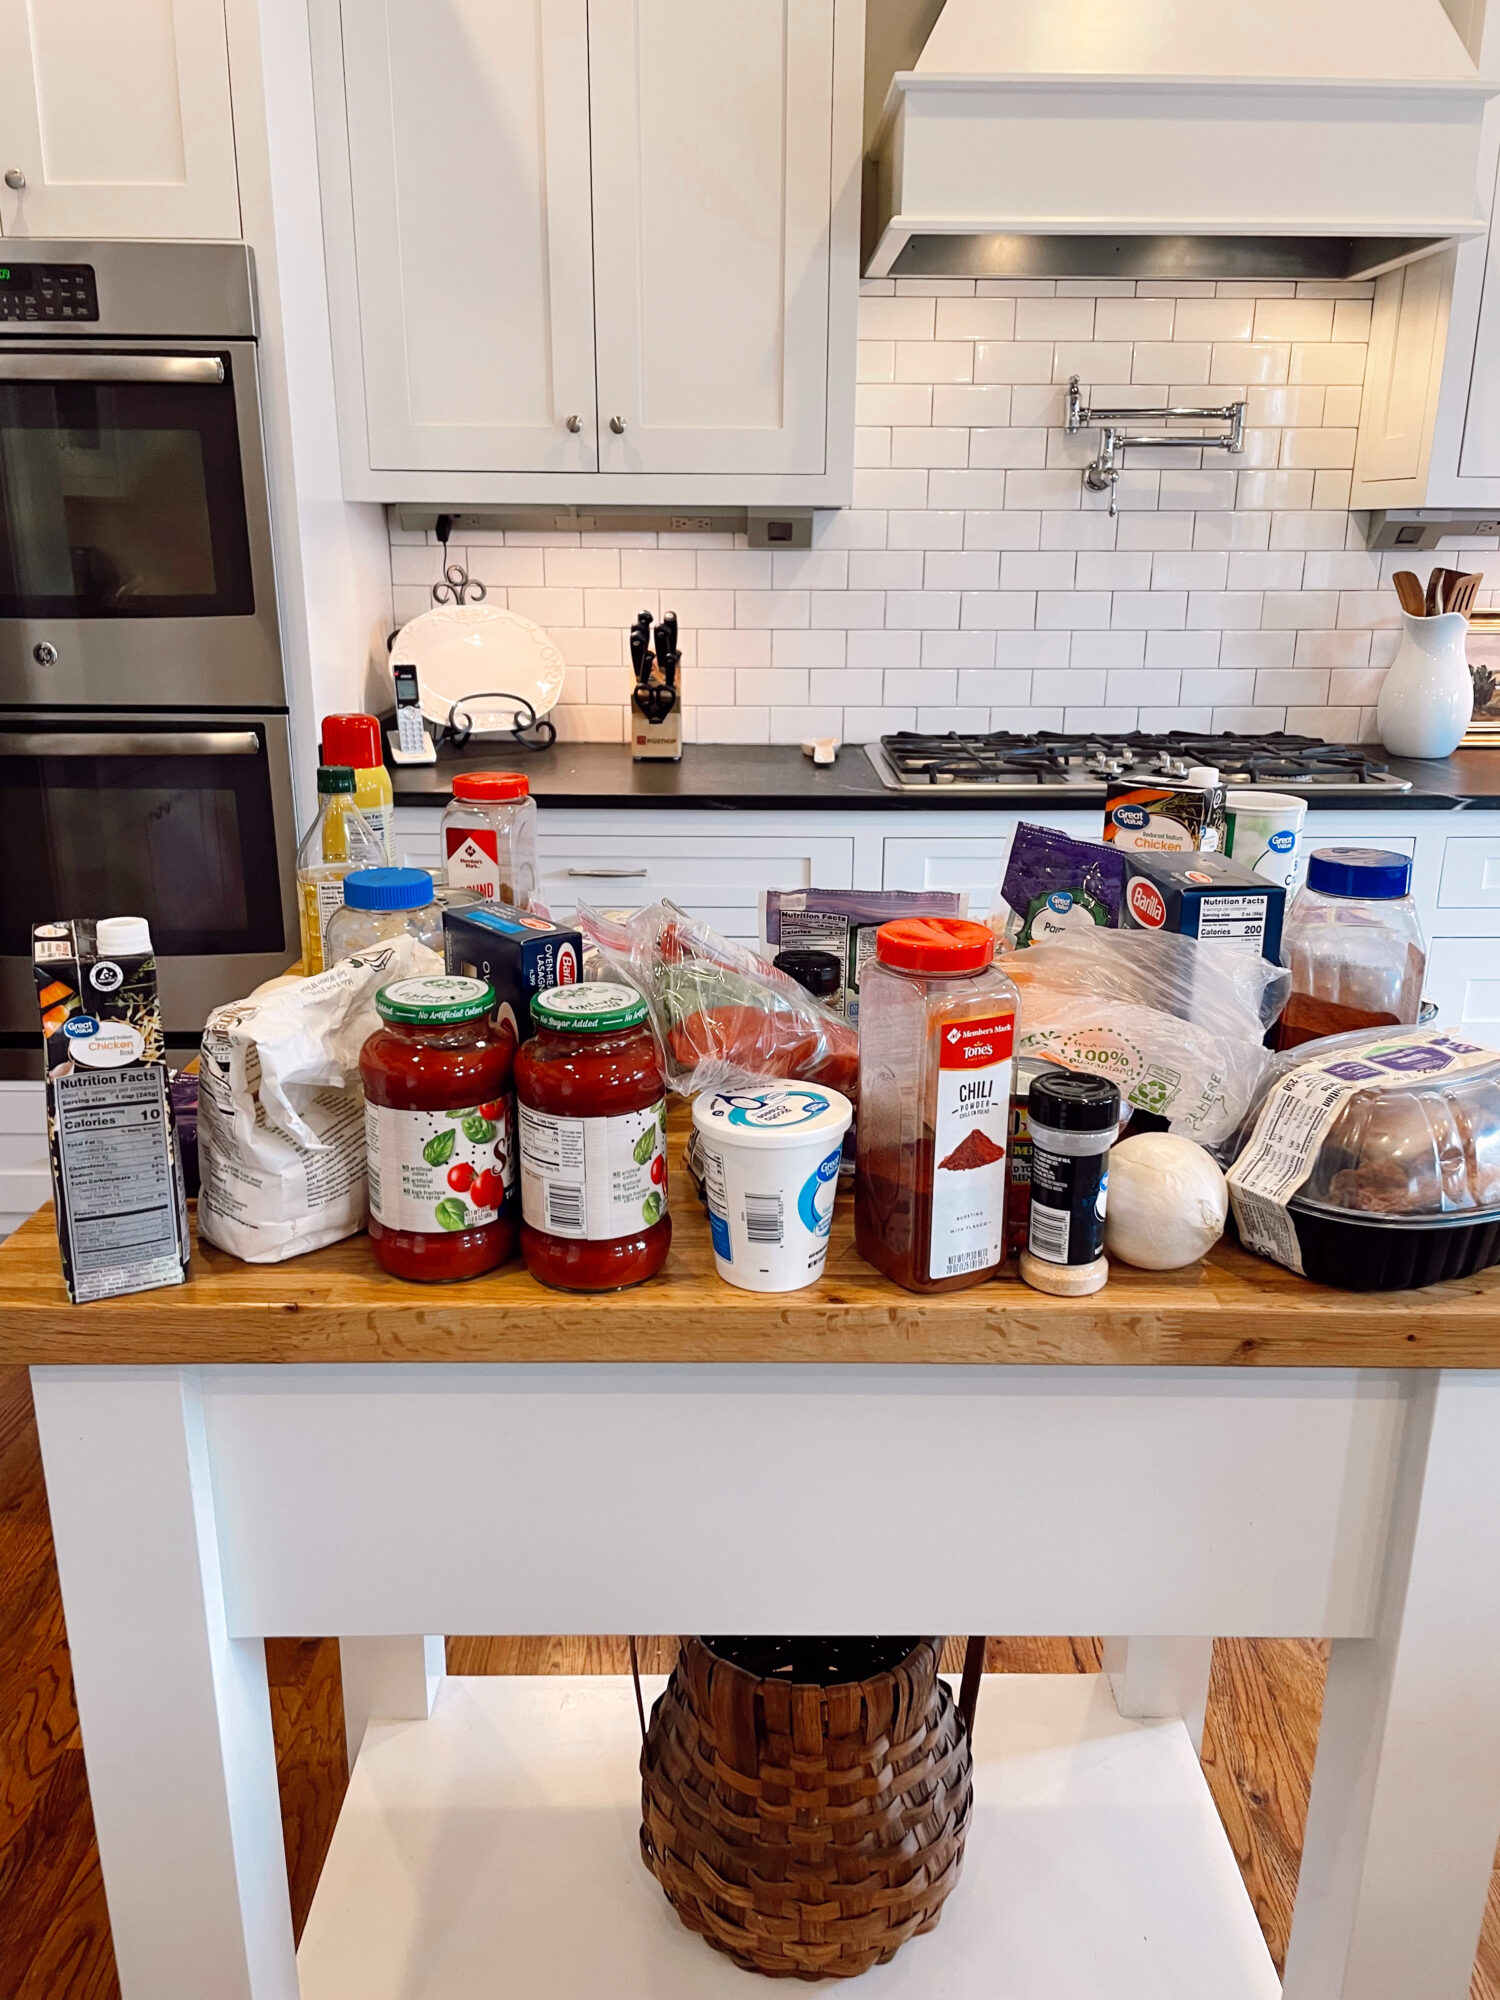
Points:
(1054, 757)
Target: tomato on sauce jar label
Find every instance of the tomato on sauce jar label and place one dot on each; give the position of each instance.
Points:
(436, 1171)
(969, 1170)
(594, 1179)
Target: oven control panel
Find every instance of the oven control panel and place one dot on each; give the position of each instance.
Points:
(42, 292)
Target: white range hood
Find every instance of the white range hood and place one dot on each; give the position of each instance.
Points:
(1177, 138)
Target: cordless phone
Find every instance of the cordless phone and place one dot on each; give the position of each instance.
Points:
(409, 741)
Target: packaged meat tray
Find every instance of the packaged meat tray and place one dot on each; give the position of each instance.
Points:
(1375, 1164)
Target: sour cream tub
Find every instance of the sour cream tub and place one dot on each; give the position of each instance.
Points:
(770, 1162)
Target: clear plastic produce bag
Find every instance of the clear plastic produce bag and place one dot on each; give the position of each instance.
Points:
(1177, 1024)
(722, 1014)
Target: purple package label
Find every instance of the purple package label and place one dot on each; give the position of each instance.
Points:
(1054, 884)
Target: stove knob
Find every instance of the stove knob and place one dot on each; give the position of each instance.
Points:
(44, 653)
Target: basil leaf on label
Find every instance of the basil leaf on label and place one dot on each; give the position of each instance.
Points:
(451, 1213)
(645, 1146)
(479, 1131)
(651, 1207)
(439, 1148)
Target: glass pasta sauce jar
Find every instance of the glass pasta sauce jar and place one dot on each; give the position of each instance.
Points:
(591, 1106)
(438, 1130)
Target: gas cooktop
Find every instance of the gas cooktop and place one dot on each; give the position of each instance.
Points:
(1053, 761)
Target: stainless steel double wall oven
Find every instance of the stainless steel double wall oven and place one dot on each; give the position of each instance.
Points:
(144, 751)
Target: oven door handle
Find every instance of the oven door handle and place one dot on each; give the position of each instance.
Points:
(129, 743)
(111, 368)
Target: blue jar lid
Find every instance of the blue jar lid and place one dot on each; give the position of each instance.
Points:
(387, 888)
(1372, 872)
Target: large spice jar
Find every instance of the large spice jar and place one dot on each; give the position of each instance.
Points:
(937, 1027)
(591, 1106)
(439, 1130)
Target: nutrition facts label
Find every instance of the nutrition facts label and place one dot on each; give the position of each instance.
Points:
(119, 1187)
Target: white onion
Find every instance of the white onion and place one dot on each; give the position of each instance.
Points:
(1167, 1202)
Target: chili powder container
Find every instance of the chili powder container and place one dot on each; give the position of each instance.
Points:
(937, 1027)
(1074, 1121)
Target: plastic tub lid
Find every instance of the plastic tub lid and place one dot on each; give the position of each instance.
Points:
(352, 740)
(592, 1007)
(1372, 872)
(792, 1114)
(934, 944)
(491, 785)
(387, 888)
(435, 1000)
(1418, 1137)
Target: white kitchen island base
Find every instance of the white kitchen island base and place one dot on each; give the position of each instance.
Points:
(494, 1850)
(197, 1511)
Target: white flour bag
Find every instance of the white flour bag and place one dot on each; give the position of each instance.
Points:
(281, 1111)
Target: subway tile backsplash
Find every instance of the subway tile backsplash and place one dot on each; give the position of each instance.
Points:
(974, 583)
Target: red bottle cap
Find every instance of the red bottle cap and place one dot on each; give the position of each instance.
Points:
(353, 740)
(491, 785)
(934, 944)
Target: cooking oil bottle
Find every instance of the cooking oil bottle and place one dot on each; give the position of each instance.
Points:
(339, 839)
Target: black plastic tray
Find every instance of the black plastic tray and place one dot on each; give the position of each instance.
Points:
(1381, 1254)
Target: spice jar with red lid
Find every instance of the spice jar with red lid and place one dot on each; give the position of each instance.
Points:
(439, 1130)
(591, 1107)
(937, 1028)
(489, 837)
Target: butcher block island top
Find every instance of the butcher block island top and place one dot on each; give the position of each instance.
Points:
(337, 1305)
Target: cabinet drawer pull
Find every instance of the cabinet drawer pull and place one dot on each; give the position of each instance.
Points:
(575, 424)
(15, 180)
(607, 874)
(617, 425)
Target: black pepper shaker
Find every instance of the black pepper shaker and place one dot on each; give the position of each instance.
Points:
(1074, 1120)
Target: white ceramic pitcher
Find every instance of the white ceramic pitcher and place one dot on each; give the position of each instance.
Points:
(1427, 701)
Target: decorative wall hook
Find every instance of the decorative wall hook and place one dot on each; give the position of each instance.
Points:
(1103, 475)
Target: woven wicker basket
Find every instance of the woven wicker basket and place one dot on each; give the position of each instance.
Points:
(805, 1801)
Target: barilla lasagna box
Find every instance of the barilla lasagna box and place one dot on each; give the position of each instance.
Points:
(1205, 896)
(517, 952)
(116, 1176)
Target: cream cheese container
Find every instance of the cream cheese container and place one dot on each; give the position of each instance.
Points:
(770, 1160)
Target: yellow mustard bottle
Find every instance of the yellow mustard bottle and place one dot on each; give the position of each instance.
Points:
(355, 740)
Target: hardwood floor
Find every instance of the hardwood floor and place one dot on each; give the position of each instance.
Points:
(54, 1930)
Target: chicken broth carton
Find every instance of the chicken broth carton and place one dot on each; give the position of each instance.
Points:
(116, 1176)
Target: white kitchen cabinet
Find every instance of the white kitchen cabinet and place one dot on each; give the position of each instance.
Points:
(468, 170)
(712, 133)
(1430, 424)
(25, 1178)
(1463, 977)
(115, 117)
(593, 251)
(624, 860)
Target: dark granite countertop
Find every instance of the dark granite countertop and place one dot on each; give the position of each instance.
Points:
(735, 777)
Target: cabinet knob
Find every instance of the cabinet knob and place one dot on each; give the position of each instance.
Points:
(617, 425)
(574, 424)
(15, 180)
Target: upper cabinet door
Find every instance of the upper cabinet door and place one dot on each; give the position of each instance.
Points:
(469, 168)
(116, 114)
(712, 138)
